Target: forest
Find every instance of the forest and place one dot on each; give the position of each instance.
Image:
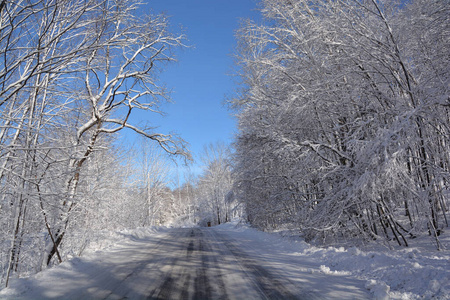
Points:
(343, 116)
(344, 119)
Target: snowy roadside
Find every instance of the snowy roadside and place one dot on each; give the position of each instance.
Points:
(101, 242)
(104, 239)
(416, 272)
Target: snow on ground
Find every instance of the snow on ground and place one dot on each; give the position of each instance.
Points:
(417, 272)
(100, 256)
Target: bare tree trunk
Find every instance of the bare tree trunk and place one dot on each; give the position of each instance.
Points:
(69, 201)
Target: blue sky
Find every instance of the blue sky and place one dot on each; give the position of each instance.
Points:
(201, 79)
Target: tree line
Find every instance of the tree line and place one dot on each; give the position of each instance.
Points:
(344, 123)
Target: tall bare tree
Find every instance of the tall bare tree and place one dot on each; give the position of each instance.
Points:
(72, 73)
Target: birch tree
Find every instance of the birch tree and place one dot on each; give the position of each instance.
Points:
(72, 73)
(118, 78)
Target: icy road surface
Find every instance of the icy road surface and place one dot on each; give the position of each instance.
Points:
(189, 263)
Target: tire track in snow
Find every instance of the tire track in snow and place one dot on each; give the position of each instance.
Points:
(267, 282)
(175, 282)
(192, 275)
(209, 281)
(121, 290)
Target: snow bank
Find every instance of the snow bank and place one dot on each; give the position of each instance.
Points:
(91, 262)
(380, 290)
(416, 272)
(99, 240)
(104, 239)
(411, 273)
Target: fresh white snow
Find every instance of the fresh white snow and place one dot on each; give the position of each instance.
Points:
(417, 272)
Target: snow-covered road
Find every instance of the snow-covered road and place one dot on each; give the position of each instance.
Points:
(189, 263)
